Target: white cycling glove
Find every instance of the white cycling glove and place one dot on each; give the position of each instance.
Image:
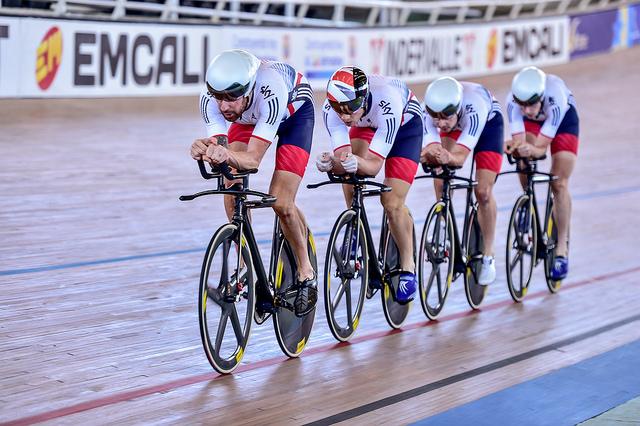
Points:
(350, 164)
(324, 162)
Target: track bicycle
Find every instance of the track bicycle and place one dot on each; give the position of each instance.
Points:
(530, 241)
(235, 289)
(353, 269)
(445, 253)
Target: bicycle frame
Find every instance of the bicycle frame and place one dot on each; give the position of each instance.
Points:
(265, 293)
(448, 188)
(357, 205)
(529, 168)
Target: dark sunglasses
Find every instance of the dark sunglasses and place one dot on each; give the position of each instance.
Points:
(348, 107)
(229, 95)
(444, 114)
(531, 101)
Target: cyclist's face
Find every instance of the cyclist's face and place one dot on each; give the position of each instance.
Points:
(531, 111)
(351, 118)
(232, 110)
(446, 124)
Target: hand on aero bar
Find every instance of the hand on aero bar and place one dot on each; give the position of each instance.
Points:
(349, 162)
(324, 163)
(199, 149)
(217, 154)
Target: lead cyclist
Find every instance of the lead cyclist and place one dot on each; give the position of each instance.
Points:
(263, 100)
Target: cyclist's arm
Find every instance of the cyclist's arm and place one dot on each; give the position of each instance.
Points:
(252, 157)
(383, 139)
(516, 124)
(214, 122)
(272, 98)
(556, 106)
(476, 114)
(338, 131)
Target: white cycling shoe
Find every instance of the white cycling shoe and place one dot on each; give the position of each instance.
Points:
(487, 271)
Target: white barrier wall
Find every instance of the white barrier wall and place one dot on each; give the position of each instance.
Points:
(63, 58)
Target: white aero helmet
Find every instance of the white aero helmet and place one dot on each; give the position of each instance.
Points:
(443, 97)
(528, 86)
(232, 74)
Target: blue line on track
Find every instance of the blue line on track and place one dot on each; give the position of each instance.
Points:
(8, 272)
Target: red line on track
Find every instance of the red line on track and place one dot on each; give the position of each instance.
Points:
(165, 387)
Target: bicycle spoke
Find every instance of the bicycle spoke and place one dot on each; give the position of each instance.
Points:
(214, 294)
(515, 260)
(338, 258)
(439, 282)
(237, 327)
(349, 310)
(224, 269)
(221, 326)
(339, 294)
(521, 274)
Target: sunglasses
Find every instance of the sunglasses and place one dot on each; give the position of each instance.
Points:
(232, 94)
(444, 114)
(531, 101)
(348, 107)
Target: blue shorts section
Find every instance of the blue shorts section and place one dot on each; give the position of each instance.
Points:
(492, 136)
(408, 141)
(565, 397)
(297, 130)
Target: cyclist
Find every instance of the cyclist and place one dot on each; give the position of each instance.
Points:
(464, 117)
(542, 113)
(263, 100)
(373, 121)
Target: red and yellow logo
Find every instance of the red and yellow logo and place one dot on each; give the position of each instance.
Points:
(48, 57)
(492, 48)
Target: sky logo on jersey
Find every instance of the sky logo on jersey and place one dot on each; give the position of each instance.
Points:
(492, 47)
(48, 58)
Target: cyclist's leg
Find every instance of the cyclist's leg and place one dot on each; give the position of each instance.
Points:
(292, 156)
(239, 135)
(400, 170)
(284, 186)
(488, 157)
(400, 222)
(564, 151)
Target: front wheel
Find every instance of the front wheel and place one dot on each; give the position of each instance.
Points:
(292, 331)
(436, 260)
(395, 313)
(345, 275)
(551, 232)
(226, 298)
(475, 292)
(521, 249)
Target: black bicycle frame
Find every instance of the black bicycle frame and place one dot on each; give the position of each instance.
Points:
(447, 176)
(240, 219)
(357, 205)
(529, 168)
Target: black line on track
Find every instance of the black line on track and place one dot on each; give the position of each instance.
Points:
(403, 396)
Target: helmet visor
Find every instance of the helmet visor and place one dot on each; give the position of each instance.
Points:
(444, 114)
(348, 107)
(531, 101)
(230, 94)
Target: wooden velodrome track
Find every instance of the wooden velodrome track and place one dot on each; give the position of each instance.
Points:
(99, 267)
